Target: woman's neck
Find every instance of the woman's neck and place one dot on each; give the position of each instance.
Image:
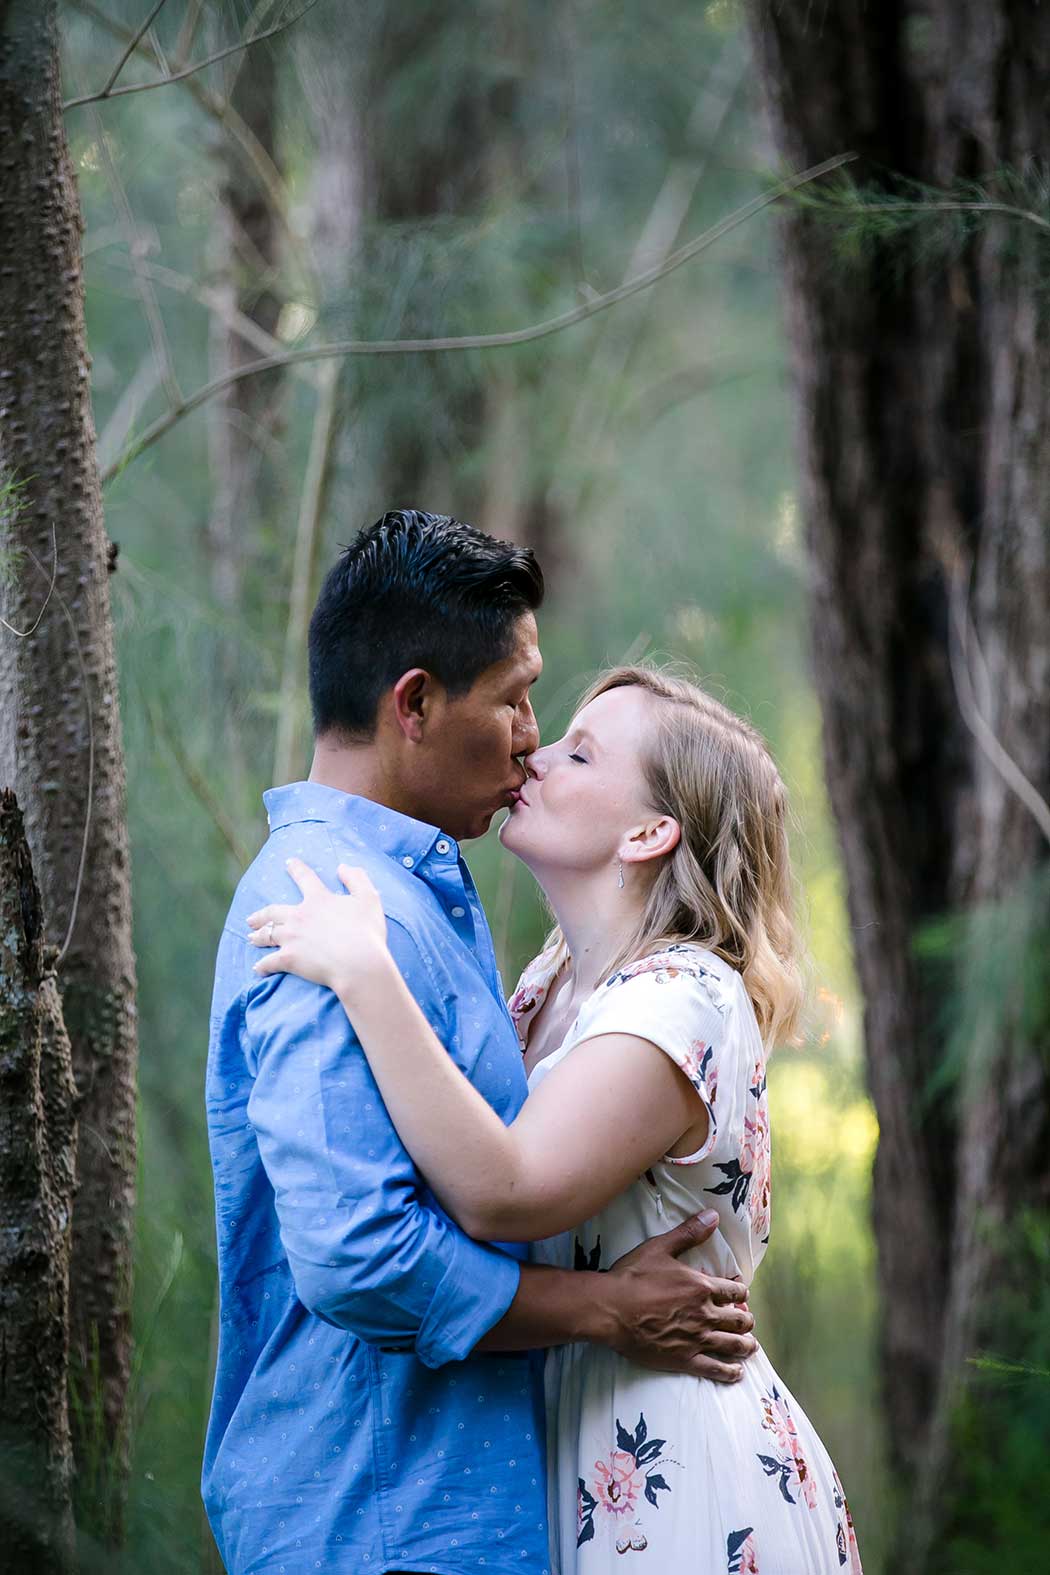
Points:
(596, 916)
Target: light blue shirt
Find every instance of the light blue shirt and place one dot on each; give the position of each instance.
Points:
(351, 1429)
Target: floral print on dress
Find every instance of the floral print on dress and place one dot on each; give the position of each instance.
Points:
(528, 997)
(846, 1538)
(669, 964)
(741, 1556)
(620, 1483)
(747, 1178)
(788, 1465)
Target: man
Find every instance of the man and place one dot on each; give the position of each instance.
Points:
(376, 1407)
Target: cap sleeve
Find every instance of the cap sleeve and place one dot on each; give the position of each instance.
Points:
(684, 1007)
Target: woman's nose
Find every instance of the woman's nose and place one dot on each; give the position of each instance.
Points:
(536, 763)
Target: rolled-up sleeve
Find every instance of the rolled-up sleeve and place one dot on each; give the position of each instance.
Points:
(368, 1249)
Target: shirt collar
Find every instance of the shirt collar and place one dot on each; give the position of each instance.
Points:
(398, 836)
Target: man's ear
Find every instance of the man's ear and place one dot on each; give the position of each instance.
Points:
(413, 701)
(652, 839)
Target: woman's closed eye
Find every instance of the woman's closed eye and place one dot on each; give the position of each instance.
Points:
(580, 758)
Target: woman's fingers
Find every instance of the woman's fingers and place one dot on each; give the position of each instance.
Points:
(259, 923)
(307, 880)
(270, 963)
(356, 881)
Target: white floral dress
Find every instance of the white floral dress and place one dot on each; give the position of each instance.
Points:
(678, 1475)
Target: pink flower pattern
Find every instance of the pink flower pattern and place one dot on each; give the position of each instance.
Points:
(622, 1481)
(849, 1553)
(788, 1465)
(618, 1483)
(741, 1554)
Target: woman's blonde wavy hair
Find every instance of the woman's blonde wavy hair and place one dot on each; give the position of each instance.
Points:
(727, 885)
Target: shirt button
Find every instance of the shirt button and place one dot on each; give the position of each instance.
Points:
(442, 846)
(457, 913)
(408, 861)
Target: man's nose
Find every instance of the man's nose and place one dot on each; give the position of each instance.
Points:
(527, 733)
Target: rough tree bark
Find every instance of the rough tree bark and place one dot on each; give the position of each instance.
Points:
(923, 397)
(60, 736)
(37, 1164)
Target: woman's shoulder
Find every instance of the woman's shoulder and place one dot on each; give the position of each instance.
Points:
(679, 960)
(677, 982)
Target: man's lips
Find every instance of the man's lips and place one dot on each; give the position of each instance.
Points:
(517, 796)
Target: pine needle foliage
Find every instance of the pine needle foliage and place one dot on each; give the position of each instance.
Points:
(905, 224)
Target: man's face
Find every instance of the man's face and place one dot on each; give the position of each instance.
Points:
(469, 766)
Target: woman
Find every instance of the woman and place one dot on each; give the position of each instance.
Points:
(656, 828)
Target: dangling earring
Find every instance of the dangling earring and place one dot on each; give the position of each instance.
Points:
(620, 881)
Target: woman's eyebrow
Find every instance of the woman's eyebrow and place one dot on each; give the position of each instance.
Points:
(582, 736)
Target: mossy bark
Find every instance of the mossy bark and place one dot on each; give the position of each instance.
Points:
(923, 396)
(37, 1166)
(60, 735)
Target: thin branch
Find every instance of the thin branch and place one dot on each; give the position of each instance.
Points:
(23, 634)
(1004, 763)
(91, 752)
(516, 336)
(158, 49)
(238, 322)
(161, 347)
(133, 397)
(596, 407)
(130, 50)
(199, 786)
(224, 114)
(187, 71)
(315, 489)
(1005, 208)
(188, 30)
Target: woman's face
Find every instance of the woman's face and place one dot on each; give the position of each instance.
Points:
(584, 793)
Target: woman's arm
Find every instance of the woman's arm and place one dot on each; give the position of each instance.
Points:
(606, 1113)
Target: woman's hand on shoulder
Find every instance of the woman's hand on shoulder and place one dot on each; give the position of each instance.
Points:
(333, 938)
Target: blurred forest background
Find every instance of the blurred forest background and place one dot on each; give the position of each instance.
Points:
(376, 171)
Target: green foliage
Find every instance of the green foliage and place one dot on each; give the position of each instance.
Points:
(901, 224)
(647, 452)
(999, 1507)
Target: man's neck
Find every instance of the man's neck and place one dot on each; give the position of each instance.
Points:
(356, 768)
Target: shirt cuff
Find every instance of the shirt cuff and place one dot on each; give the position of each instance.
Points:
(475, 1292)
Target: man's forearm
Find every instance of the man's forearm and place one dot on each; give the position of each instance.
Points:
(554, 1307)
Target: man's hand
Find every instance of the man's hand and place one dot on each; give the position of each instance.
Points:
(674, 1319)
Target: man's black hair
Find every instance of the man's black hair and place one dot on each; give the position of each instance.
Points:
(413, 590)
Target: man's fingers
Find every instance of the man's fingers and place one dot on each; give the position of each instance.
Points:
(691, 1233)
(727, 1291)
(729, 1347)
(305, 878)
(735, 1320)
(717, 1372)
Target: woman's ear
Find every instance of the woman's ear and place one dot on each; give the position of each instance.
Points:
(652, 839)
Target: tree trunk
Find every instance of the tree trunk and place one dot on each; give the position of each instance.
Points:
(60, 736)
(37, 1163)
(245, 419)
(925, 462)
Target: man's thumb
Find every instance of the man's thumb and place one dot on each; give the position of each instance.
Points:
(696, 1229)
